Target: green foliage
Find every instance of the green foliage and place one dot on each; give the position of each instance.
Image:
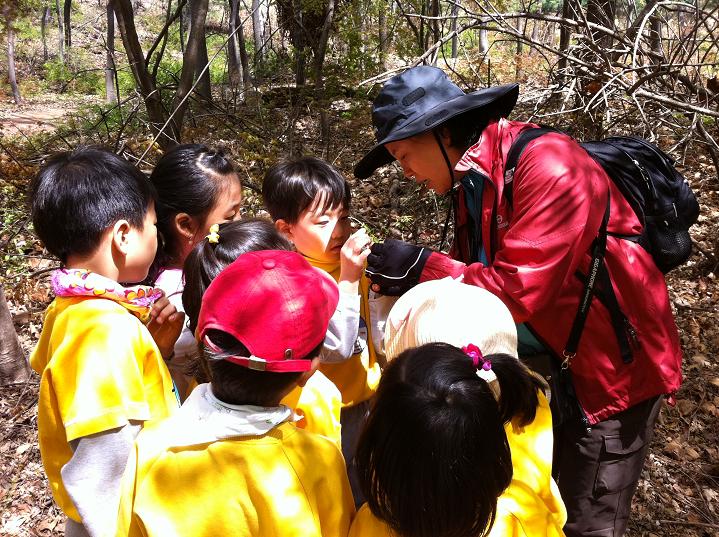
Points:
(56, 72)
(73, 78)
(14, 227)
(275, 63)
(218, 67)
(126, 81)
(551, 6)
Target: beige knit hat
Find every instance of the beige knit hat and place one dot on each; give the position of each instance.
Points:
(447, 311)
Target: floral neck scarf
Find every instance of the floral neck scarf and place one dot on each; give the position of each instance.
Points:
(80, 282)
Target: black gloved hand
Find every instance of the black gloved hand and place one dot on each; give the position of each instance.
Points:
(396, 266)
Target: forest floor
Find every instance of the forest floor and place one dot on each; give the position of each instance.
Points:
(678, 494)
(40, 113)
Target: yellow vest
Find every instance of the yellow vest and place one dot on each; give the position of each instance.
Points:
(100, 368)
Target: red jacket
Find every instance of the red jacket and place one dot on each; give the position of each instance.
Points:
(537, 244)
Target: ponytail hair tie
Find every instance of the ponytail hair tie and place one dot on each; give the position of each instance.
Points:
(482, 364)
(214, 236)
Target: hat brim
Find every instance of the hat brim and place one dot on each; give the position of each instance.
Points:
(501, 99)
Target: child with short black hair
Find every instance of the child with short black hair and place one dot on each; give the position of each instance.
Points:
(230, 462)
(318, 403)
(102, 374)
(197, 187)
(309, 200)
(459, 439)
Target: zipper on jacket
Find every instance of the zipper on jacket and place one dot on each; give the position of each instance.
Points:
(562, 370)
(492, 217)
(632, 333)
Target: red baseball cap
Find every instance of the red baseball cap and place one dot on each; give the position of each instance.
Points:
(275, 303)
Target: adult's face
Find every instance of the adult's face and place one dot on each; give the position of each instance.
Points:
(422, 161)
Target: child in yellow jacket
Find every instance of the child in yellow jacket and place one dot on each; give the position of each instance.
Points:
(102, 373)
(317, 404)
(230, 462)
(459, 440)
(309, 201)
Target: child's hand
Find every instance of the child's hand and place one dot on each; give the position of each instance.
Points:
(353, 256)
(165, 326)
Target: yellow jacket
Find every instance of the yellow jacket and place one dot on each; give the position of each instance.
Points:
(285, 482)
(358, 376)
(530, 507)
(100, 368)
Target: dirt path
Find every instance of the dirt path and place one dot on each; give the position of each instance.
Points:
(33, 117)
(31, 121)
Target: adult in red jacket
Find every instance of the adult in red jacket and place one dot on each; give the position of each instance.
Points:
(534, 252)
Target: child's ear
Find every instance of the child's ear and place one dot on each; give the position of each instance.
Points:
(283, 227)
(186, 225)
(307, 374)
(121, 236)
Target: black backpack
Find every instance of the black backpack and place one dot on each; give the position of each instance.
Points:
(661, 198)
(663, 202)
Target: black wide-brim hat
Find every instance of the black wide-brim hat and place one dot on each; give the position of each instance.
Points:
(421, 99)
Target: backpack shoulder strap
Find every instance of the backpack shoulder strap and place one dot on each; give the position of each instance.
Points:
(515, 152)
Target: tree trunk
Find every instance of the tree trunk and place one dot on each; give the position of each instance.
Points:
(66, 15)
(11, 62)
(184, 22)
(483, 39)
(43, 30)
(60, 32)
(191, 58)
(655, 34)
(199, 8)
(564, 37)
(233, 65)
(13, 364)
(243, 53)
(455, 37)
(322, 44)
(598, 12)
(144, 82)
(519, 67)
(258, 34)
(422, 37)
(382, 27)
(110, 93)
(319, 61)
(535, 29)
(434, 23)
(298, 40)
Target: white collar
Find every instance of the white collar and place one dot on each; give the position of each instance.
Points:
(203, 418)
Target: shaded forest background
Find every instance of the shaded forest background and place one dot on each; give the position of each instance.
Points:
(269, 78)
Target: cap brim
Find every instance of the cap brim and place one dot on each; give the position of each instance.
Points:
(501, 99)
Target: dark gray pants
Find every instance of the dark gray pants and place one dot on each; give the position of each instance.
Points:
(597, 471)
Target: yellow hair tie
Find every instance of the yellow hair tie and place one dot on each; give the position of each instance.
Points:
(214, 236)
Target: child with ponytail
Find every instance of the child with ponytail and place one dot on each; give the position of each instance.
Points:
(318, 402)
(459, 439)
(197, 186)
